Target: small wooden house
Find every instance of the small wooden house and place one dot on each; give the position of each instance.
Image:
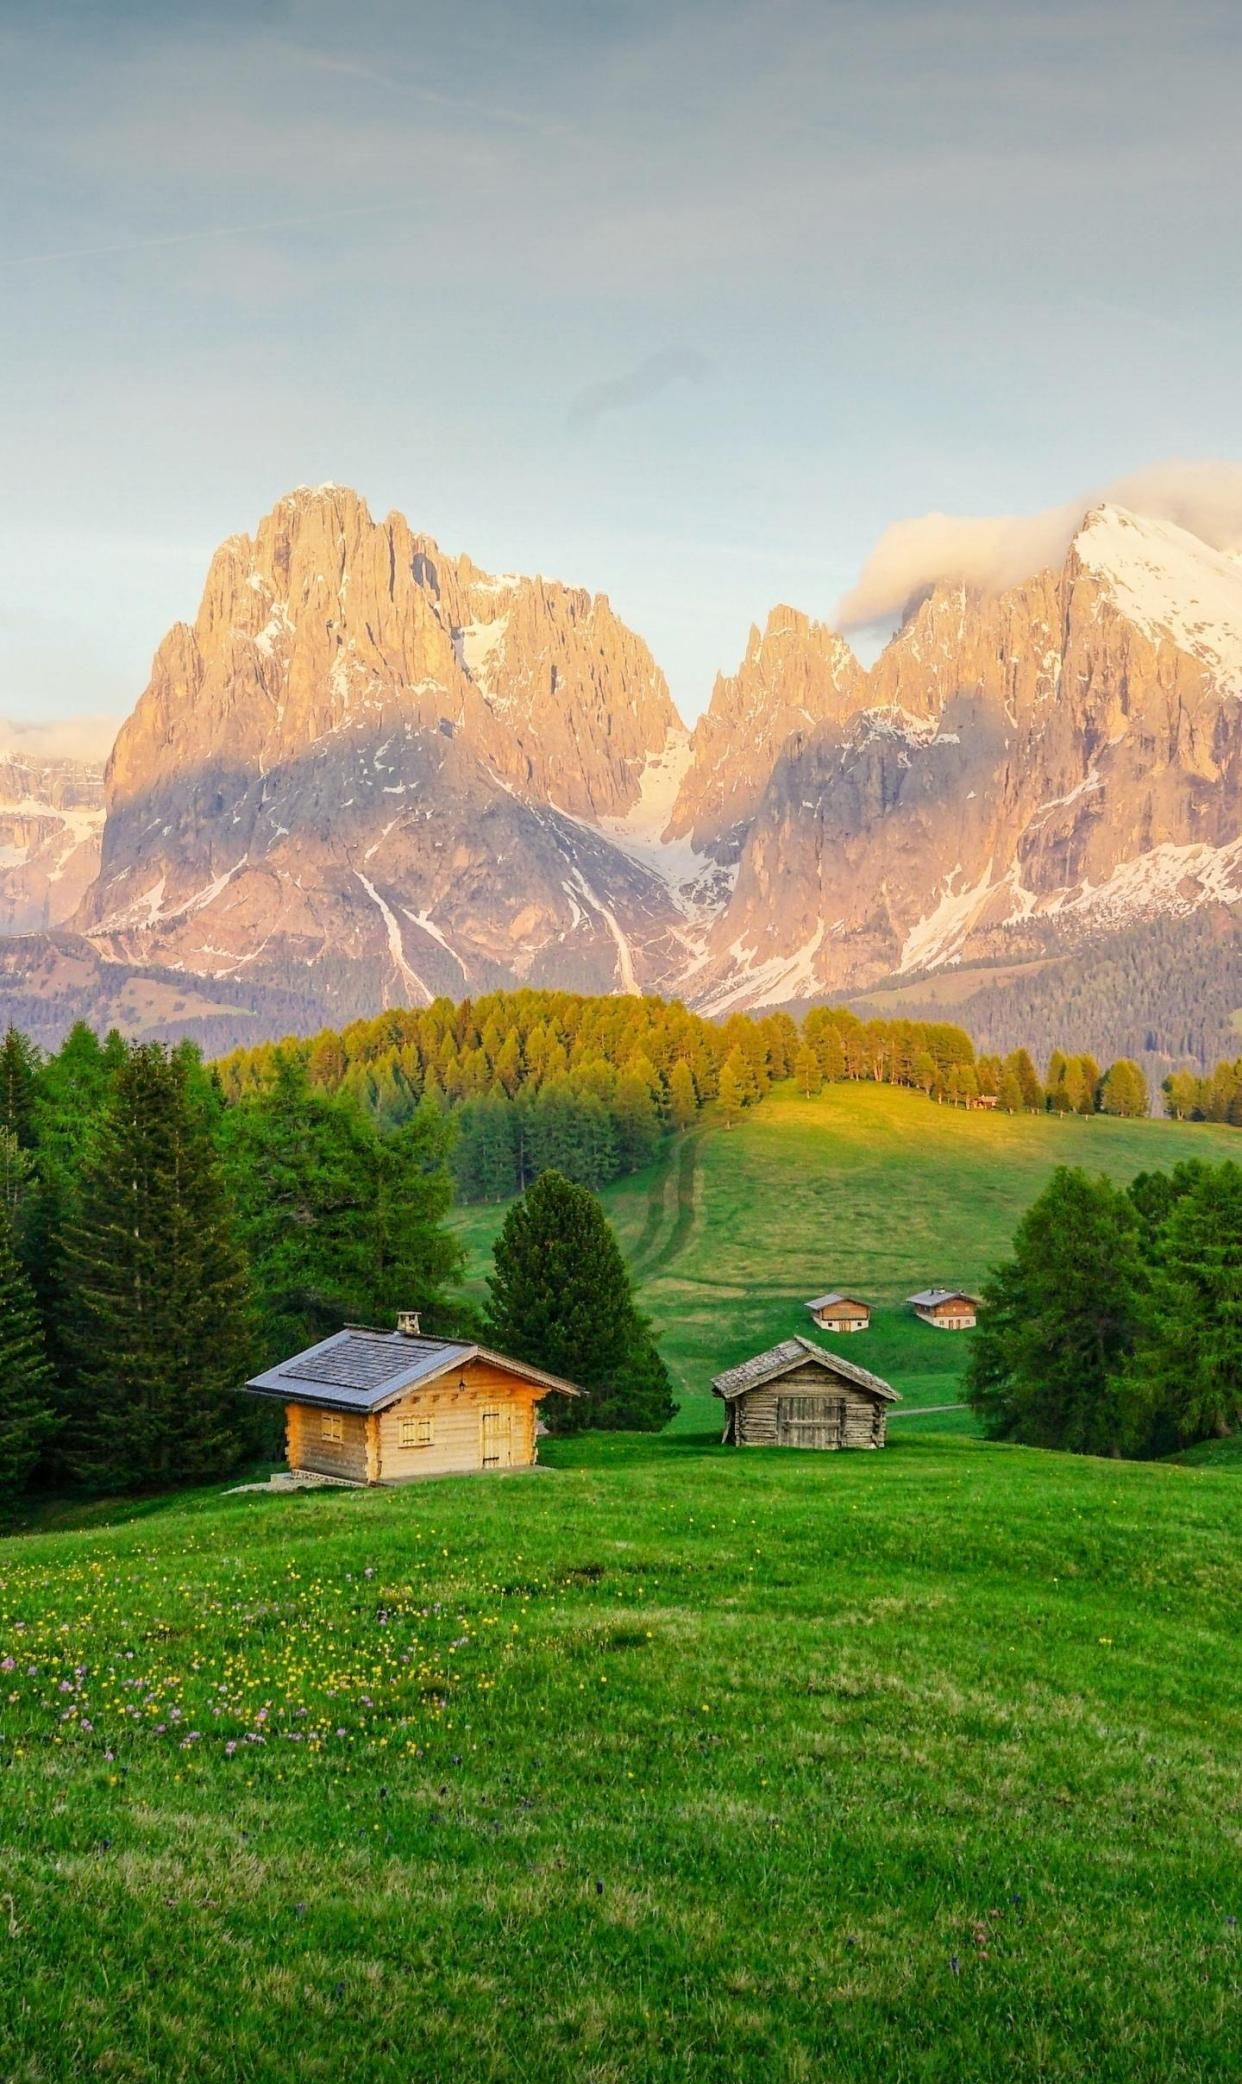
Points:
(949, 1309)
(798, 1395)
(390, 1406)
(839, 1313)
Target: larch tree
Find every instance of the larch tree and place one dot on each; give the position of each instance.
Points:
(808, 1077)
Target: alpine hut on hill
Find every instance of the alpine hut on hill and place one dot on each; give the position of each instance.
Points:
(371, 1406)
(839, 1313)
(798, 1395)
(949, 1309)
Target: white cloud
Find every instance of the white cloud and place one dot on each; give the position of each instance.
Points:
(992, 551)
(86, 738)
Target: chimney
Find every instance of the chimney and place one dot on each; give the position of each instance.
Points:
(407, 1323)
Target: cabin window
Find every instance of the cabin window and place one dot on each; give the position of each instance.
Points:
(331, 1425)
(415, 1432)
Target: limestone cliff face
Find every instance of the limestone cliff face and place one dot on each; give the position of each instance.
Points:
(370, 772)
(796, 675)
(1029, 769)
(51, 821)
(366, 759)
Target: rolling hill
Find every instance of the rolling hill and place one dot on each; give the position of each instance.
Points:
(867, 1186)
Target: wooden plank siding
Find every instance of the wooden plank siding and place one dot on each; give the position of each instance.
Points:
(769, 1416)
(372, 1451)
(306, 1447)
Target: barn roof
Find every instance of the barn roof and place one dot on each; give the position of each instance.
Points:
(926, 1297)
(363, 1370)
(825, 1302)
(794, 1353)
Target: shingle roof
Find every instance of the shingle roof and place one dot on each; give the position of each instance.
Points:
(927, 1296)
(361, 1370)
(825, 1302)
(793, 1353)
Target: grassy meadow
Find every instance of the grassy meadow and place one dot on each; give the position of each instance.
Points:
(668, 1762)
(865, 1187)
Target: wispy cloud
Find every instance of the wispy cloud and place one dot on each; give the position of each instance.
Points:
(657, 373)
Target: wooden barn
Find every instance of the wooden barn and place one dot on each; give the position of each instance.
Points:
(949, 1309)
(390, 1406)
(797, 1395)
(840, 1313)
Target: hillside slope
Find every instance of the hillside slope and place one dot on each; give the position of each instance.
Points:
(867, 1187)
(670, 1761)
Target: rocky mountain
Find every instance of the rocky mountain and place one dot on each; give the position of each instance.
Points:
(1027, 771)
(51, 823)
(370, 772)
(378, 771)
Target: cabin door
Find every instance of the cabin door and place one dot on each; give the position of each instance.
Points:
(810, 1421)
(497, 1438)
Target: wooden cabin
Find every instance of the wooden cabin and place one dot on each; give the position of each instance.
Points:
(949, 1309)
(798, 1395)
(840, 1313)
(370, 1406)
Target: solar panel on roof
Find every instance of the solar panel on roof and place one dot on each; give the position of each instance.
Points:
(353, 1363)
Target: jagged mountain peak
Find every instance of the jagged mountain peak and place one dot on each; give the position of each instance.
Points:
(1171, 584)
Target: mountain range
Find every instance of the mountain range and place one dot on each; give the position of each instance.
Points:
(370, 773)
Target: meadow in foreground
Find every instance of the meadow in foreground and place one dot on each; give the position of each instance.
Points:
(668, 1762)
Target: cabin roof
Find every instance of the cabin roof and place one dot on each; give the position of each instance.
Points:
(794, 1353)
(825, 1302)
(363, 1370)
(926, 1297)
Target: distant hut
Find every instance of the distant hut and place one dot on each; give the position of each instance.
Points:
(839, 1313)
(949, 1309)
(797, 1395)
(372, 1406)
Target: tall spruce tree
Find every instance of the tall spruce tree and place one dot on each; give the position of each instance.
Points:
(560, 1297)
(1059, 1322)
(19, 1064)
(158, 1328)
(27, 1413)
(1188, 1368)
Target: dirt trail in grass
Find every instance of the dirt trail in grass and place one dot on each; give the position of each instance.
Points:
(658, 1247)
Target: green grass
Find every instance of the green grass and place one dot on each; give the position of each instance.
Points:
(672, 1763)
(867, 1187)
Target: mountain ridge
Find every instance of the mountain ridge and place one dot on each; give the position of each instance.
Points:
(370, 772)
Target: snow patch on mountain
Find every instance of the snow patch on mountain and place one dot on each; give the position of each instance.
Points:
(1169, 583)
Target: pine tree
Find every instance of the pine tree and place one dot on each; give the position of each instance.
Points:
(1059, 1322)
(159, 1332)
(1188, 1369)
(19, 1064)
(560, 1298)
(416, 1258)
(27, 1415)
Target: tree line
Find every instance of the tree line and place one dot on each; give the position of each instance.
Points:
(536, 1081)
(160, 1243)
(1217, 1097)
(1115, 1326)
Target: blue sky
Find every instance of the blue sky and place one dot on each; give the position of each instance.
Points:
(685, 303)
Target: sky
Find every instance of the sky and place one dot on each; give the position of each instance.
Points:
(686, 303)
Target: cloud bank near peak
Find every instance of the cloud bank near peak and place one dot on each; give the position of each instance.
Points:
(992, 551)
(89, 738)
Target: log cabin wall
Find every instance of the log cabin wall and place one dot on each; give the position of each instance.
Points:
(757, 1420)
(456, 1419)
(307, 1448)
